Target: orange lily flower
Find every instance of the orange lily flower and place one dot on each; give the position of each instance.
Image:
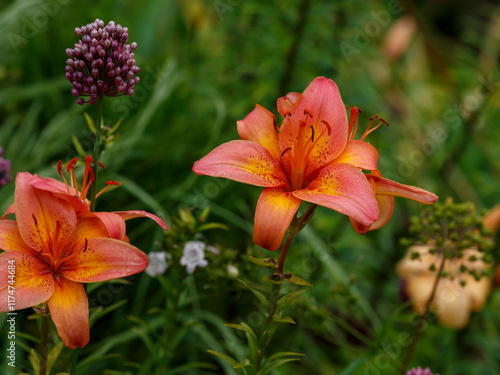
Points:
(55, 249)
(70, 192)
(309, 158)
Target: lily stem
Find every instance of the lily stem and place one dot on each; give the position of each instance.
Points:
(45, 336)
(266, 335)
(97, 151)
(423, 317)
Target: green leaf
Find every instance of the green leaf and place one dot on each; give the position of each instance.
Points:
(35, 361)
(209, 226)
(115, 128)
(90, 122)
(297, 281)
(233, 362)
(272, 366)
(286, 319)
(241, 365)
(283, 354)
(181, 369)
(78, 146)
(268, 263)
(287, 299)
(253, 342)
(262, 299)
(53, 355)
(269, 278)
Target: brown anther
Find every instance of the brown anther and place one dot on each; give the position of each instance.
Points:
(328, 126)
(112, 183)
(86, 245)
(275, 123)
(302, 123)
(308, 113)
(312, 135)
(71, 164)
(382, 120)
(34, 219)
(285, 151)
(287, 113)
(373, 117)
(59, 167)
(357, 109)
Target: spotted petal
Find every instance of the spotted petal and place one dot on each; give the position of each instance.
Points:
(127, 215)
(242, 161)
(343, 188)
(104, 259)
(33, 280)
(10, 238)
(69, 309)
(275, 210)
(260, 126)
(360, 154)
(59, 190)
(45, 222)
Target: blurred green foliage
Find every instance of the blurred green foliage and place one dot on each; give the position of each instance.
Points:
(430, 68)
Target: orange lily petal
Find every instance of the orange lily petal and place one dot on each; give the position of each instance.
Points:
(321, 100)
(34, 282)
(104, 259)
(386, 206)
(69, 308)
(89, 226)
(115, 224)
(384, 186)
(44, 220)
(127, 215)
(10, 210)
(343, 188)
(285, 103)
(60, 191)
(260, 126)
(360, 154)
(10, 238)
(242, 161)
(275, 210)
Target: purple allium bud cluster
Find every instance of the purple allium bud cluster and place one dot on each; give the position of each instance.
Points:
(4, 169)
(420, 371)
(102, 63)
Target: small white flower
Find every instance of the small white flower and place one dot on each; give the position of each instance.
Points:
(193, 255)
(157, 263)
(232, 271)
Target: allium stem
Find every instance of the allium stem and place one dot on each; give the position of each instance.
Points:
(423, 317)
(97, 151)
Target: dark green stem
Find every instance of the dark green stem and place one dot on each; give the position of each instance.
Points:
(97, 151)
(266, 335)
(74, 361)
(45, 336)
(423, 317)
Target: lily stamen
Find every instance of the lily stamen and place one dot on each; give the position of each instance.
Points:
(312, 135)
(328, 126)
(308, 113)
(368, 130)
(108, 183)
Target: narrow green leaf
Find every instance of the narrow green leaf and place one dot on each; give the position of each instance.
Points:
(297, 281)
(269, 278)
(181, 369)
(268, 262)
(253, 342)
(90, 122)
(262, 299)
(115, 128)
(233, 362)
(53, 355)
(272, 366)
(209, 226)
(283, 354)
(287, 299)
(286, 319)
(35, 361)
(78, 146)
